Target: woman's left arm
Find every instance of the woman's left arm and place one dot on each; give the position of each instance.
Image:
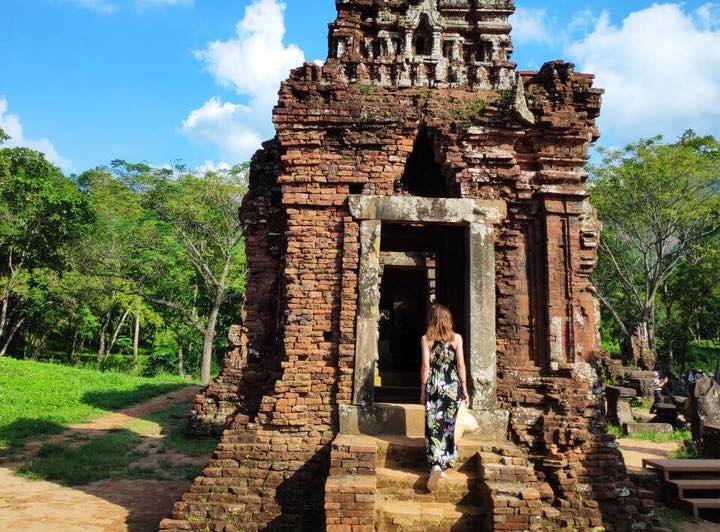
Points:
(462, 375)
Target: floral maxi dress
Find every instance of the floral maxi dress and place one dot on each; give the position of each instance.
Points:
(442, 399)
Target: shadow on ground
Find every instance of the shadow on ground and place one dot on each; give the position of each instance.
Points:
(113, 400)
(140, 467)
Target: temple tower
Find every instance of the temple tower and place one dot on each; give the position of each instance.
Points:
(416, 165)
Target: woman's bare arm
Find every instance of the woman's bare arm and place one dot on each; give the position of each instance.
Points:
(425, 368)
(460, 360)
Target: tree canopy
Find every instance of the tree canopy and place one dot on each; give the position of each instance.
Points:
(659, 204)
(119, 258)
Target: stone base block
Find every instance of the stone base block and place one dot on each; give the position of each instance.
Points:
(383, 418)
(409, 420)
(494, 425)
(637, 428)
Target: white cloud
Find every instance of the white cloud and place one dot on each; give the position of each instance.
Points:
(253, 63)
(709, 16)
(13, 127)
(223, 124)
(108, 7)
(255, 60)
(211, 166)
(530, 25)
(660, 68)
(162, 3)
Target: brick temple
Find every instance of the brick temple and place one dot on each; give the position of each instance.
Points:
(416, 165)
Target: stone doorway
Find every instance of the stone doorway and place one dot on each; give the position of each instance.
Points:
(475, 221)
(420, 264)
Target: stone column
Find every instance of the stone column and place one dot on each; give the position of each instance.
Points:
(368, 313)
(480, 346)
(437, 44)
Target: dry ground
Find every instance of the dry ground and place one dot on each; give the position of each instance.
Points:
(159, 472)
(138, 504)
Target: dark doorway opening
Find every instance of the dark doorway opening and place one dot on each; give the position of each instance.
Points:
(423, 175)
(422, 264)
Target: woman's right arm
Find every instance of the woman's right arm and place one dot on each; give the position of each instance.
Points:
(425, 368)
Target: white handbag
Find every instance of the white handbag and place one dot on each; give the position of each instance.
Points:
(465, 423)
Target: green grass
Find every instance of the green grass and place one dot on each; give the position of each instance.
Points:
(172, 422)
(179, 471)
(671, 518)
(657, 437)
(107, 456)
(616, 431)
(39, 398)
(644, 403)
(687, 451)
(115, 453)
(612, 347)
(660, 437)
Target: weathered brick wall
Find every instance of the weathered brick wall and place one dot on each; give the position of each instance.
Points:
(249, 363)
(337, 135)
(351, 487)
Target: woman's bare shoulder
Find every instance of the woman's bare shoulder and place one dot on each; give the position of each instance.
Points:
(458, 339)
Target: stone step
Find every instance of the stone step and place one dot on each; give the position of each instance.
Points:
(519, 490)
(457, 487)
(402, 452)
(412, 516)
(407, 418)
(499, 472)
(499, 458)
(386, 418)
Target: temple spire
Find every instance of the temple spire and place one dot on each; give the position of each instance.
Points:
(424, 43)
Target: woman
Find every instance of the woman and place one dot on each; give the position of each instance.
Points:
(443, 390)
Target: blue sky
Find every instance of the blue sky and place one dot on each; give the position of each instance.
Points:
(88, 81)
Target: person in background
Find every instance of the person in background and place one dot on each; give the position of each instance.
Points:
(659, 382)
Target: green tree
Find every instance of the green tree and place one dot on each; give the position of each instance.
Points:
(691, 303)
(659, 205)
(184, 253)
(42, 213)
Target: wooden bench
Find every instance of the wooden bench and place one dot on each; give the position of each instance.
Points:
(702, 475)
(693, 484)
(702, 504)
(668, 466)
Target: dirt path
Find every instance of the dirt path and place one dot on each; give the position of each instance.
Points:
(634, 451)
(77, 432)
(116, 504)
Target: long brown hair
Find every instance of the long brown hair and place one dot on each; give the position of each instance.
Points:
(440, 324)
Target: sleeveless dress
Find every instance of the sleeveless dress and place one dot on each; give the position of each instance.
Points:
(442, 400)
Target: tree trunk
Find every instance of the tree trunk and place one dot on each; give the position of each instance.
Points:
(73, 346)
(181, 363)
(6, 296)
(10, 337)
(208, 341)
(103, 336)
(209, 337)
(115, 334)
(136, 339)
(40, 345)
(3, 312)
(717, 369)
